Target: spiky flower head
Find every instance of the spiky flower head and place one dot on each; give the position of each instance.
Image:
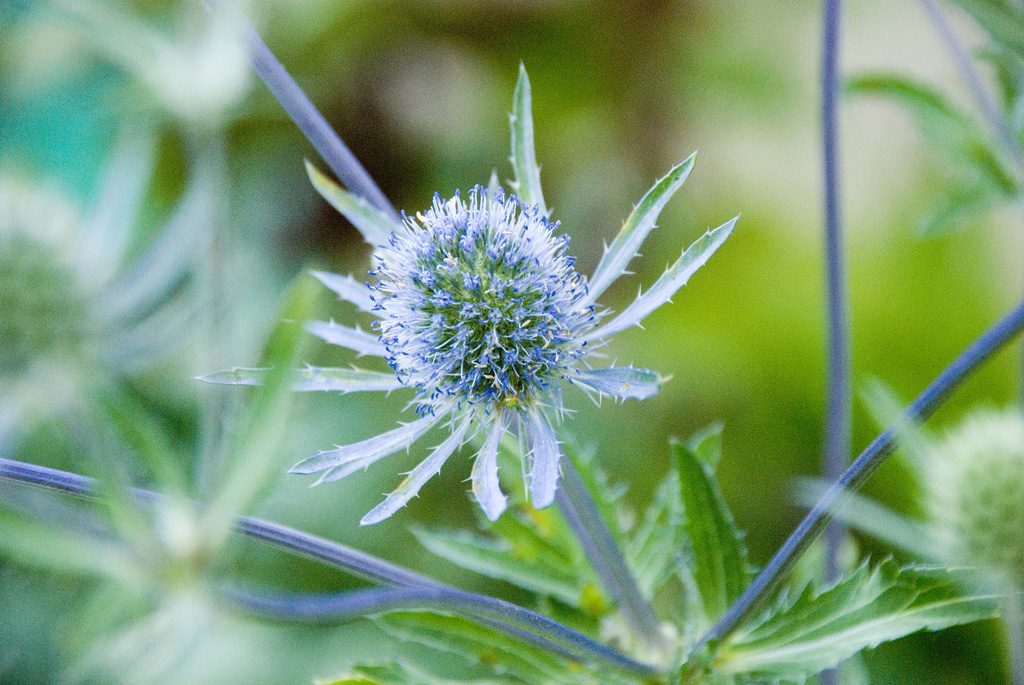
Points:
(975, 491)
(478, 300)
(43, 301)
(481, 312)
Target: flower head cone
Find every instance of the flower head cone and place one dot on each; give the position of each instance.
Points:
(481, 312)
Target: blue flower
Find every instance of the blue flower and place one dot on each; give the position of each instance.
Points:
(481, 312)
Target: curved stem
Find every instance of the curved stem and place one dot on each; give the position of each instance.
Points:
(859, 471)
(508, 618)
(305, 114)
(493, 612)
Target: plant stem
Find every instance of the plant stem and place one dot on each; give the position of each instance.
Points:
(305, 114)
(538, 629)
(500, 615)
(839, 397)
(581, 514)
(859, 471)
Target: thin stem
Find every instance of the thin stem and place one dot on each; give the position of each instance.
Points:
(839, 400)
(581, 514)
(859, 471)
(305, 114)
(976, 85)
(493, 612)
(507, 617)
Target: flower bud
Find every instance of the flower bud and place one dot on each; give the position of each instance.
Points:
(975, 490)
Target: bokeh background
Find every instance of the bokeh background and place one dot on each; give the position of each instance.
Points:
(622, 90)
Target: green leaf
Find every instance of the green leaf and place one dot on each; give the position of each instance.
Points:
(639, 224)
(524, 159)
(719, 557)
(657, 543)
(480, 644)
(867, 608)
(707, 444)
(375, 226)
(67, 552)
(1003, 20)
(497, 559)
(253, 457)
(394, 673)
(868, 516)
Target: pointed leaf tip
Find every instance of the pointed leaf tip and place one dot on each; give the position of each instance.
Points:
(525, 169)
(637, 227)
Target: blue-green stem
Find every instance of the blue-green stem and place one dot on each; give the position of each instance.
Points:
(839, 397)
(582, 515)
(500, 615)
(859, 471)
(506, 617)
(305, 114)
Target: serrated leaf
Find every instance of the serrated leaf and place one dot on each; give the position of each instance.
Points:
(375, 226)
(524, 158)
(720, 566)
(867, 608)
(311, 378)
(496, 559)
(480, 645)
(674, 278)
(636, 228)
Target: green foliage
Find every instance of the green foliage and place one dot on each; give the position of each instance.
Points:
(1003, 19)
(518, 659)
(720, 566)
(539, 569)
(374, 225)
(252, 457)
(870, 606)
(978, 178)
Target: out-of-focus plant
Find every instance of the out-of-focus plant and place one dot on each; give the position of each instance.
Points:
(75, 314)
(666, 596)
(155, 560)
(982, 157)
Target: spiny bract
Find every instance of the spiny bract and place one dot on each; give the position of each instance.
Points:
(481, 311)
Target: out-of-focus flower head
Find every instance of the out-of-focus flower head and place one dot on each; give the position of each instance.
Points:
(73, 314)
(974, 485)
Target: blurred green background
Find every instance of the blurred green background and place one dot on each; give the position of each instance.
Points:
(622, 90)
